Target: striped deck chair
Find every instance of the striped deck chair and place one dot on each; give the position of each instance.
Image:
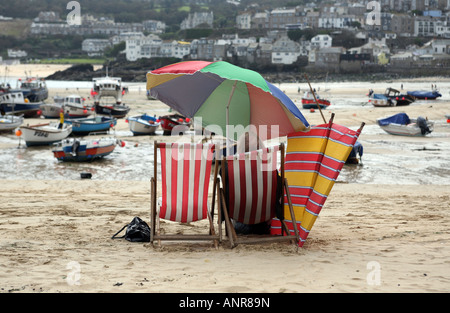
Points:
(185, 179)
(314, 160)
(248, 192)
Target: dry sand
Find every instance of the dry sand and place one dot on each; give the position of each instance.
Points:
(55, 235)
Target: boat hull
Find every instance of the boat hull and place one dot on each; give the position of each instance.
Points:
(84, 126)
(10, 122)
(44, 134)
(311, 103)
(117, 110)
(401, 125)
(73, 150)
(424, 95)
(74, 111)
(51, 110)
(143, 125)
(168, 122)
(27, 109)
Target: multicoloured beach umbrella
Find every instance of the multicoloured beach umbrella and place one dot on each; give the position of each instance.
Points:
(224, 94)
(314, 160)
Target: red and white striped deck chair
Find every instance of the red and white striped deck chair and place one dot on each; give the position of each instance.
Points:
(248, 194)
(185, 180)
(314, 160)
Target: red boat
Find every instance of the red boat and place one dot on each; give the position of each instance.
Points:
(168, 122)
(308, 101)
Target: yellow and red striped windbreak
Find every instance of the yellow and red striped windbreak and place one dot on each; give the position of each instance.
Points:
(314, 160)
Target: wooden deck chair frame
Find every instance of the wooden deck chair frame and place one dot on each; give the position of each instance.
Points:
(154, 214)
(233, 238)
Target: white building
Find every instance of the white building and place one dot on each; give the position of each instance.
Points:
(244, 21)
(141, 46)
(285, 51)
(321, 41)
(95, 47)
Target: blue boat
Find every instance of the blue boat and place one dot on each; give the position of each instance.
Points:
(84, 126)
(427, 95)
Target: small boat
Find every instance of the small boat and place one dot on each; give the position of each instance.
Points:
(380, 100)
(10, 122)
(400, 98)
(82, 150)
(425, 95)
(86, 125)
(107, 87)
(400, 124)
(308, 101)
(143, 124)
(353, 156)
(45, 134)
(168, 122)
(114, 110)
(74, 107)
(33, 89)
(15, 103)
(52, 110)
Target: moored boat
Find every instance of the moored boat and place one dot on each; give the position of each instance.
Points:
(308, 101)
(15, 103)
(86, 125)
(143, 124)
(45, 134)
(52, 110)
(107, 87)
(10, 122)
(34, 89)
(400, 124)
(82, 150)
(114, 110)
(401, 99)
(380, 100)
(74, 107)
(168, 122)
(425, 95)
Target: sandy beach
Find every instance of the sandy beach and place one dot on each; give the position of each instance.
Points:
(370, 237)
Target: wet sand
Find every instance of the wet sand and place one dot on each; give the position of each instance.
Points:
(374, 234)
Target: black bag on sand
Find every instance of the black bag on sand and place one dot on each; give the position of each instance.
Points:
(137, 231)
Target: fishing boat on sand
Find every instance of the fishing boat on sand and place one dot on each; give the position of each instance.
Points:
(401, 99)
(44, 134)
(168, 122)
(143, 124)
(107, 87)
(308, 101)
(15, 103)
(74, 107)
(381, 100)
(10, 122)
(84, 150)
(87, 125)
(34, 89)
(114, 110)
(52, 110)
(400, 124)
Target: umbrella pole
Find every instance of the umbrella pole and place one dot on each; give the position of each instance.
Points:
(227, 118)
(315, 99)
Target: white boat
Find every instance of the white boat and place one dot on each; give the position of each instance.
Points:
(10, 122)
(143, 124)
(52, 110)
(381, 100)
(45, 134)
(400, 124)
(74, 106)
(107, 87)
